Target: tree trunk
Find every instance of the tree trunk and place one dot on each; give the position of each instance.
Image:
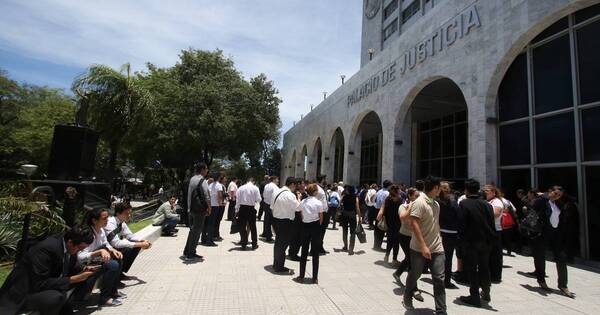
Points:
(112, 161)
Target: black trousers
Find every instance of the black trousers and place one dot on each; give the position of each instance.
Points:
(372, 215)
(282, 240)
(496, 258)
(405, 244)
(196, 226)
(324, 225)
(129, 255)
(110, 273)
(49, 302)
(261, 209)
(208, 234)
(377, 237)
(550, 239)
(296, 237)
(332, 216)
(393, 242)
(476, 259)
(268, 222)
(508, 236)
(218, 219)
(247, 217)
(449, 240)
(231, 210)
(311, 237)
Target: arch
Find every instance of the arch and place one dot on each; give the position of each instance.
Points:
(365, 149)
(303, 163)
(317, 158)
(292, 165)
(336, 155)
(432, 130)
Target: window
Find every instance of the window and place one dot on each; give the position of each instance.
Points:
(390, 9)
(587, 13)
(514, 144)
(553, 87)
(588, 49)
(590, 125)
(561, 25)
(561, 176)
(390, 29)
(369, 160)
(513, 97)
(511, 180)
(555, 139)
(411, 10)
(592, 181)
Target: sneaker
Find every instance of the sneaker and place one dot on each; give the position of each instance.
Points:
(396, 276)
(567, 293)
(417, 296)
(470, 301)
(120, 295)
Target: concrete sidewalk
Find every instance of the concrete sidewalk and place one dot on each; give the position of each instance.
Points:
(230, 281)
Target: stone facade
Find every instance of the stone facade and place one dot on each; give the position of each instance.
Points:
(476, 61)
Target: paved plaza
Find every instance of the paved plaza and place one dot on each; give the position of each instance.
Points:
(230, 281)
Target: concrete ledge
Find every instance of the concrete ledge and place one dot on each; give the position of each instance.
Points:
(150, 233)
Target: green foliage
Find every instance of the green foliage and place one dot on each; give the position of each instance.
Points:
(136, 226)
(4, 272)
(113, 101)
(28, 115)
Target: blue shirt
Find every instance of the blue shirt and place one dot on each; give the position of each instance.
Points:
(380, 197)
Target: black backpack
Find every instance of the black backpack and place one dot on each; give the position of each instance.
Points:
(530, 225)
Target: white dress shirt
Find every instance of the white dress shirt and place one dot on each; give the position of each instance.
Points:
(310, 208)
(268, 192)
(125, 238)
(232, 188)
(100, 240)
(247, 195)
(554, 217)
(284, 206)
(321, 196)
(370, 197)
(215, 189)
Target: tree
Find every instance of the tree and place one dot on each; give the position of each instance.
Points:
(113, 101)
(203, 109)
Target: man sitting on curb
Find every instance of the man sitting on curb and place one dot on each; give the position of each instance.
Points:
(121, 238)
(167, 217)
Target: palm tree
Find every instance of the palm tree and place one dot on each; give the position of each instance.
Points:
(113, 101)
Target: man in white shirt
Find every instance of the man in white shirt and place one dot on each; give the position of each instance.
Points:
(231, 189)
(247, 197)
(221, 212)
(270, 188)
(370, 202)
(215, 189)
(120, 237)
(323, 196)
(284, 206)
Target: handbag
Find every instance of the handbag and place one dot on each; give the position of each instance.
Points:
(360, 233)
(235, 226)
(382, 225)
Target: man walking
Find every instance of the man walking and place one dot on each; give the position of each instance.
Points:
(284, 207)
(323, 196)
(379, 201)
(270, 188)
(199, 208)
(231, 189)
(477, 234)
(426, 246)
(247, 197)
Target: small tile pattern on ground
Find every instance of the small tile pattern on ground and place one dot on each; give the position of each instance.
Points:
(230, 281)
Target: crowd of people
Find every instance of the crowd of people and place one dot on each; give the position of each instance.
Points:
(429, 222)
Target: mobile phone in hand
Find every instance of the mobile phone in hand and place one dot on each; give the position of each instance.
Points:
(92, 267)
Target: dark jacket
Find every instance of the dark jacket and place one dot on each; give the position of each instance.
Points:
(476, 221)
(39, 270)
(448, 214)
(199, 199)
(568, 219)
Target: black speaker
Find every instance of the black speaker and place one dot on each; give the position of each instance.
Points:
(73, 153)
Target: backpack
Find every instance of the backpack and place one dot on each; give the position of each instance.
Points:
(530, 225)
(333, 202)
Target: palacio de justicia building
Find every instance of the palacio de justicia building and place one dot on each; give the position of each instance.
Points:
(504, 91)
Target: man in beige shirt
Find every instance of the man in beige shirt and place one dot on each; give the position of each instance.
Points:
(426, 245)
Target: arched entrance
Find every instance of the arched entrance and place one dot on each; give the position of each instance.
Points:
(293, 164)
(549, 118)
(368, 139)
(439, 136)
(337, 153)
(317, 157)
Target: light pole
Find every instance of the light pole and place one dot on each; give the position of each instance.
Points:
(324, 95)
(343, 77)
(371, 51)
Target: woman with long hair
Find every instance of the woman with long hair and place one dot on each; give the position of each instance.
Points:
(389, 211)
(350, 212)
(494, 197)
(448, 229)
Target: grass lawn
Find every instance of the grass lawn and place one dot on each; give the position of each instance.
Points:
(136, 226)
(4, 271)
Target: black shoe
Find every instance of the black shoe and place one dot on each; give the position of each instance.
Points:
(344, 249)
(294, 258)
(396, 276)
(269, 240)
(211, 244)
(175, 230)
(451, 285)
(496, 281)
(120, 285)
(544, 286)
(417, 296)
(284, 270)
(486, 296)
(566, 292)
(261, 235)
(254, 247)
(167, 234)
(470, 301)
(218, 239)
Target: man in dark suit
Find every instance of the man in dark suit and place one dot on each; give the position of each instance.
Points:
(477, 233)
(557, 224)
(40, 281)
(198, 209)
